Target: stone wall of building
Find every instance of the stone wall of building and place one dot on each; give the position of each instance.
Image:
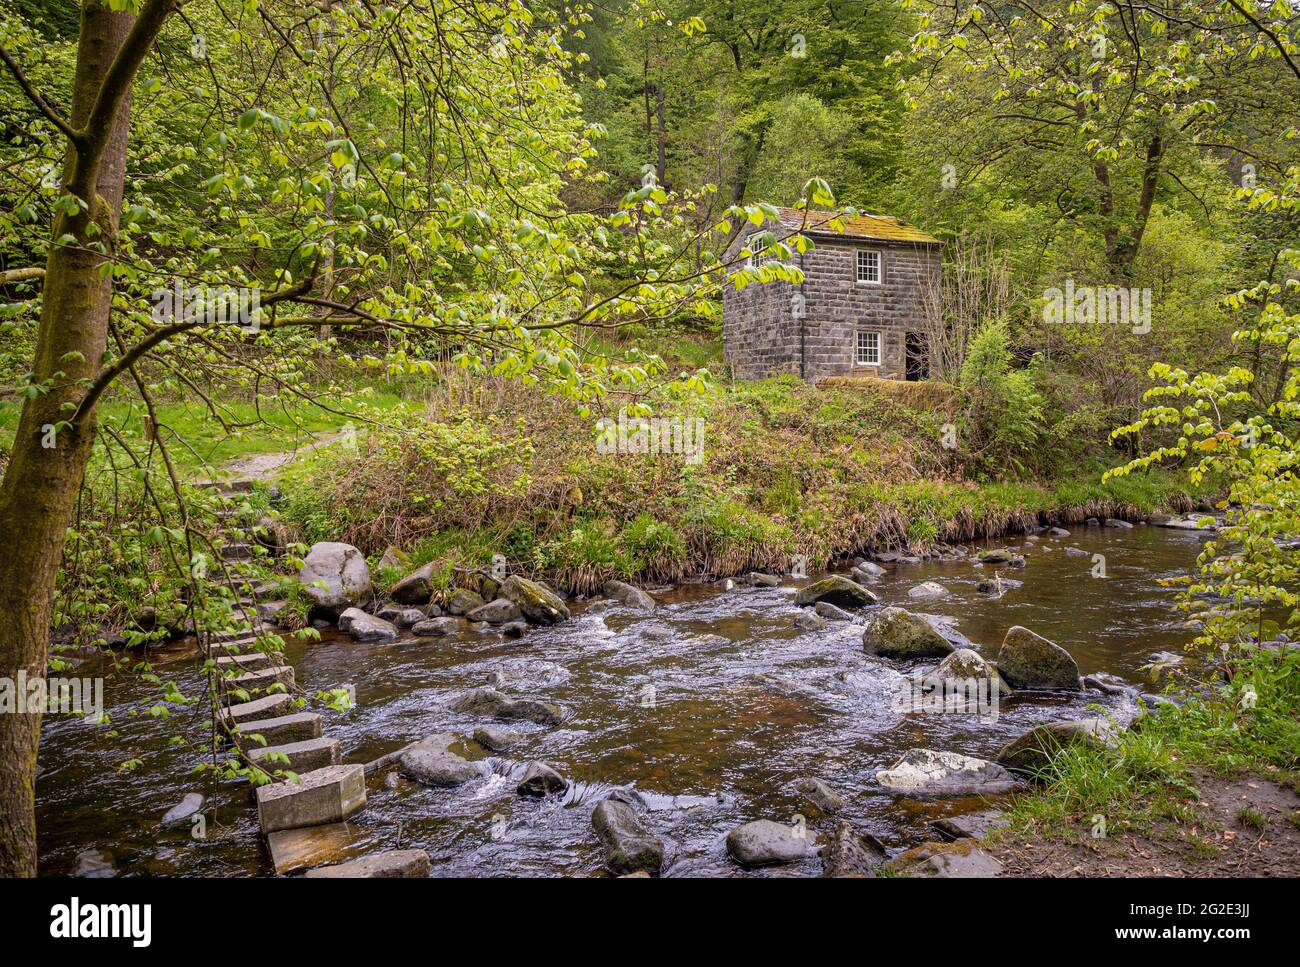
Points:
(762, 335)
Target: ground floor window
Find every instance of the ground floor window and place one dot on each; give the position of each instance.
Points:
(868, 353)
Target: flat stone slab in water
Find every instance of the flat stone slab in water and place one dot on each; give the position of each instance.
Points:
(259, 708)
(299, 849)
(255, 681)
(494, 739)
(283, 729)
(328, 795)
(404, 863)
(250, 662)
(305, 756)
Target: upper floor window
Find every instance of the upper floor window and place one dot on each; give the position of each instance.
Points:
(868, 266)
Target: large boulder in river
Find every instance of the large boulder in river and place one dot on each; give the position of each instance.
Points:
(463, 601)
(432, 762)
(995, 555)
(416, 587)
(967, 665)
(435, 627)
(928, 589)
(764, 843)
(629, 846)
(895, 633)
(541, 779)
(488, 701)
(496, 612)
(539, 604)
(1028, 660)
(838, 590)
(925, 772)
(366, 627)
(628, 595)
(1033, 752)
(335, 575)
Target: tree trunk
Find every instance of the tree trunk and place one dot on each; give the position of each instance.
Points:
(662, 166)
(47, 466)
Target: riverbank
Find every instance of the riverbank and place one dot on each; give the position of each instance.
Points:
(785, 473)
(1207, 787)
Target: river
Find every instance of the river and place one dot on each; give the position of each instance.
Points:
(710, 720)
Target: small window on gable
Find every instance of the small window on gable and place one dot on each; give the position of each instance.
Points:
(868, 266)
(868, 351)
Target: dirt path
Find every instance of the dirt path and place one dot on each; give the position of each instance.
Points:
(262, 466)
(1248, 826)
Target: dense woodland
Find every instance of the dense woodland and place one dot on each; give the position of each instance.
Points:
(476, 227)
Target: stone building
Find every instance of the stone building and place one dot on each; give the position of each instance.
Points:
(858, 312)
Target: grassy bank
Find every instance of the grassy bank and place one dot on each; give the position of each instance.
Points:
(785, 469)
(1190, 786)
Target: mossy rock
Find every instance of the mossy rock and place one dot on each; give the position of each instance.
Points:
(416, 587)
(895, 633)
(463, 601)
(836, 590)
(538, 604)
(1032, 753)
(1028, 660)
(964, 859)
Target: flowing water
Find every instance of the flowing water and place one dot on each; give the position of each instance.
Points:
(710, 707)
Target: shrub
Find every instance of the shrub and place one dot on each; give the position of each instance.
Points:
(1003, 409)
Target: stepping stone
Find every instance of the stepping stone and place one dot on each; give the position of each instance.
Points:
(234, 637)
(253, 661)
(300, 849)
(242, 551)
(328, 795)
(258, 708)
(405, 863)
(282, 730)
(233, 649)
(305, 756)
(256, 681)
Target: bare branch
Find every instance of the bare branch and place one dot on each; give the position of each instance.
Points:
(42, 105)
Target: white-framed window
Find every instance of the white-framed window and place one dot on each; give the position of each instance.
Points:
(869, 266)
(868, 348)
